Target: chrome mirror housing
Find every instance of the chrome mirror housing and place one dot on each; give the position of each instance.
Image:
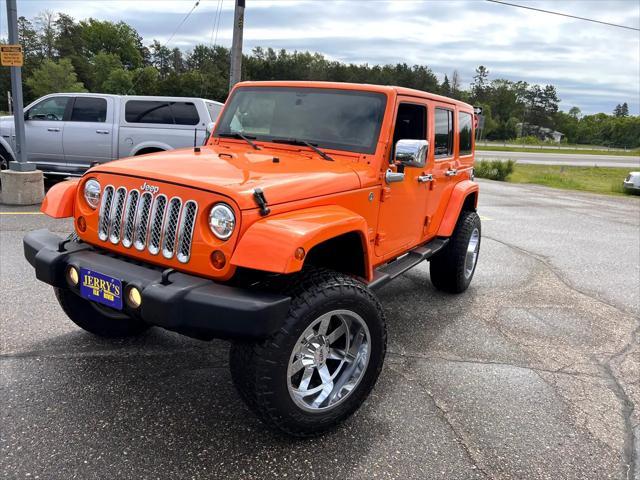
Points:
(412, 153)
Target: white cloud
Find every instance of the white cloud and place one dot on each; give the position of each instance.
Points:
(595, 66)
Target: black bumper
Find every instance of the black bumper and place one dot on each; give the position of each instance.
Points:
(191, 305)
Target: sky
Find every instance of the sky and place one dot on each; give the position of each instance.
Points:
(593, 66)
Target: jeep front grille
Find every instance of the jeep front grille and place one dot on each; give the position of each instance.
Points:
(143, 221)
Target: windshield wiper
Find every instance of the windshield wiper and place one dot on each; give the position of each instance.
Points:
(294, 141)
(241, 136)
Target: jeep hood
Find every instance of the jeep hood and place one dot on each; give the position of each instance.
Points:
(295, 175)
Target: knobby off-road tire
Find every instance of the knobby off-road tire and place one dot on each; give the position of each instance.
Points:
(266, 373)
(453, 267)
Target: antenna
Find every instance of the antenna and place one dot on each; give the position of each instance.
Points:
(195, 140)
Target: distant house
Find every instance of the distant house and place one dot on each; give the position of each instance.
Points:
(542, 133)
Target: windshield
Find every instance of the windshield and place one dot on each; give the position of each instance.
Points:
(327, 118)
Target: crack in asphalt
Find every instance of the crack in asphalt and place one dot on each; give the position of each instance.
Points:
(626, 403)
(443, 414)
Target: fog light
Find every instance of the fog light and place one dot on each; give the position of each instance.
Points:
(299, 253)
(82, 224)
(72, 276)
(218, 259)
(134, 298)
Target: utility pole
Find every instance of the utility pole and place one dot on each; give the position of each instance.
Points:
(20, 164)
(22, 184)
(236, 46)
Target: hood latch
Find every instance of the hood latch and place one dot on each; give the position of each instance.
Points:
(261, 200)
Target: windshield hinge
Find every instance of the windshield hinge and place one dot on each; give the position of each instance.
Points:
(261, 200)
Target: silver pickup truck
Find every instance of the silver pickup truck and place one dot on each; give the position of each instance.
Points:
(68, 132)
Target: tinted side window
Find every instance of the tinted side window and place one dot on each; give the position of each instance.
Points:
(411, 123)
(185, 113)
(88, 109)
(444, 133)
(465, 123)
(147, 111)
(49, 109)
(214, 110)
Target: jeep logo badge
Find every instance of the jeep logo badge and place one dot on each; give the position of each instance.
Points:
(149, 188)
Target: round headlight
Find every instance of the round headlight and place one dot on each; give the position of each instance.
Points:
(92, 192)
(222, 221)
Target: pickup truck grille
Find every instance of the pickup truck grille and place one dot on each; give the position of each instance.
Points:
(155, 224)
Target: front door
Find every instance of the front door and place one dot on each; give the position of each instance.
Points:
(88, 135)
(44, 126)
(401, 218)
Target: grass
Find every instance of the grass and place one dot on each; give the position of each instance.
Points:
(531, 149)
(589, 179)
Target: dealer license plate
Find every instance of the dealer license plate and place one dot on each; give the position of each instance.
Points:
(101, 288)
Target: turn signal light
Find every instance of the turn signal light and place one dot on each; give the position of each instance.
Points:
(72, 276)
(299, 254)
(82, 224)
(218, 259)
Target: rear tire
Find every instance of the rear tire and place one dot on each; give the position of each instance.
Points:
(334, 336)
(453, 267)
(98, 320)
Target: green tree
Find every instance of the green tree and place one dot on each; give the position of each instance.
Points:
(53, 77)
(116, 38)
(118, 82)
(47, 33)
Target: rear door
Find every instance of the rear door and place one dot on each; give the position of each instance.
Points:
(44, 127)
(88, 134)
(445, 164)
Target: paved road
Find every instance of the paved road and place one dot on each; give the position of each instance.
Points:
(579, 160)
(532, 373)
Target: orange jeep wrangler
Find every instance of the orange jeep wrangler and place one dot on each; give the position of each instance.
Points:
(306, 198)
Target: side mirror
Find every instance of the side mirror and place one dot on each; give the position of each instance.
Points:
(26, 115)
(411, 153)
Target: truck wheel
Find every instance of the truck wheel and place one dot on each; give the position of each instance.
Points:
(322, 363)
(452, 268)
(96, 319)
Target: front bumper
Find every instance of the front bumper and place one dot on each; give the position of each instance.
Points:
(631, 186)
(184, 303)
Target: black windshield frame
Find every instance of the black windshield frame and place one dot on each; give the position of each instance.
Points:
(223, 126)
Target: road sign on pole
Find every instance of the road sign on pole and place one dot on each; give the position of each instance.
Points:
(13, 56)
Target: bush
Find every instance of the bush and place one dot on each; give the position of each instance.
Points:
(494, 169)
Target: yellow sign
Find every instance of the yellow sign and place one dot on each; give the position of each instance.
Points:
(11, 55)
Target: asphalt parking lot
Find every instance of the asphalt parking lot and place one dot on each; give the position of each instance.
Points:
(533, 373)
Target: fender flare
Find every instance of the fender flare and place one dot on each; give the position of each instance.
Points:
(461, 191)
(270, 243)
(5, 145)
(60, 199)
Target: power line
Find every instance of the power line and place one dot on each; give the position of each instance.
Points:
(167, 42)
(563, 15)
(212, 42)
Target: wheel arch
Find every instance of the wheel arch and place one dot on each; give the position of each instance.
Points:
(6, 150)
(326, 233)
(463, 198)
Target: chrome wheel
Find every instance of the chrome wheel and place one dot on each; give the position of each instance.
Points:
(472, 253)
(328, 360)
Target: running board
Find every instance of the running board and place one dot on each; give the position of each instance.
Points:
(384, 274)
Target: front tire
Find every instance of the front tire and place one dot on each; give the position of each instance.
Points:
(453, 267)
(323, 362)
(98, 320)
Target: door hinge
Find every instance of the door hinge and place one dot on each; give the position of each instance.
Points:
(385, 193)
(380, 238)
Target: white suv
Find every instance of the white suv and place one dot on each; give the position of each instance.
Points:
(68, 132)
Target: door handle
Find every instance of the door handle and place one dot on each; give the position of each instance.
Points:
(425, 178)
(451, 173)
(53, 129)
(391, 176)
(103, 132)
